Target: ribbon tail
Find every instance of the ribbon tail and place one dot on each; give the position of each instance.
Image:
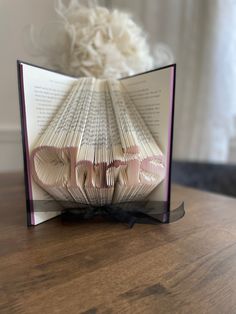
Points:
(177, 213)
(169, 216)
(121, 216)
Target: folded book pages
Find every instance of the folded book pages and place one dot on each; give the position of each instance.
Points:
(97, 149)
(95, 142)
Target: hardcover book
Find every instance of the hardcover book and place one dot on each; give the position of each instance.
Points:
(95, 141)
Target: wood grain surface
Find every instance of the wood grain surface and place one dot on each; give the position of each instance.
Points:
(98, 267)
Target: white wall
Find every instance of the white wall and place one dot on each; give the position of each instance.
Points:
(15, 16)
(202, 37)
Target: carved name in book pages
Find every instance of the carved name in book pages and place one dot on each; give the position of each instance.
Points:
(97, 149)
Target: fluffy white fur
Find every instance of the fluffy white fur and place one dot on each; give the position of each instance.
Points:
(90, 40)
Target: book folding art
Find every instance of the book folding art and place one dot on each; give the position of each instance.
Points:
(95, 142)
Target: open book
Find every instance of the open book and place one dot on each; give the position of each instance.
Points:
(95, 141)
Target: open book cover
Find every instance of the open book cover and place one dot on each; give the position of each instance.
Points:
(95, 141)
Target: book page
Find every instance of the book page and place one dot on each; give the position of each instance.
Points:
(44, 92)
(152, 94)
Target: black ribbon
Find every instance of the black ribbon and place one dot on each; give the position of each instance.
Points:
(150, 212)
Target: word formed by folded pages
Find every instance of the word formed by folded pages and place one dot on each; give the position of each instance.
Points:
(97, 149)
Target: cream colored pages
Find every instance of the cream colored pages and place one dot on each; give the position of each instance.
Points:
(152, 94)
(97, 149)
(44, 92)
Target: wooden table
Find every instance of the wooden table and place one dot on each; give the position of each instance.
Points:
(100, 267)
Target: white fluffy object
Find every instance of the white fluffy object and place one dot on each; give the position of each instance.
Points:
(91, 40)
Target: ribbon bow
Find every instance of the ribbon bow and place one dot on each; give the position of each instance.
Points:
(150, 212)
